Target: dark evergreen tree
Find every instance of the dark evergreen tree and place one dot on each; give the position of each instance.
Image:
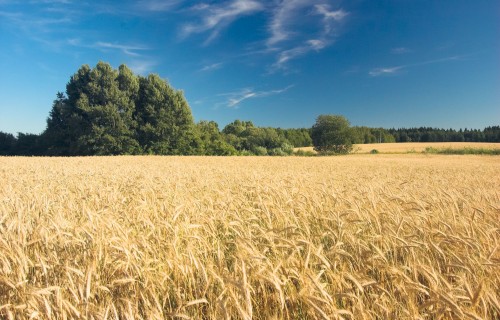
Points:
(7, 143)
(297, 137)
(28, 144)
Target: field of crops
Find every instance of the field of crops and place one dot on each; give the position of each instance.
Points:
(412, 147)
(355, 237)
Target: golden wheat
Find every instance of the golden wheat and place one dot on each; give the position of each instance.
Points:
(355, 237)
(411, 147)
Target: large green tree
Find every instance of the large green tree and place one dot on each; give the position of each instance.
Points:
(165, 122)
(332, 134)
(110, 112)
(109, 126)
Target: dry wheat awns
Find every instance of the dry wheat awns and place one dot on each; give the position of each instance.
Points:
(357, 237)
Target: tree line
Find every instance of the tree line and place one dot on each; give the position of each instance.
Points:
(423, 134)
(114, 112)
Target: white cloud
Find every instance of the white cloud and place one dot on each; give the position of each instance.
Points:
(235, 98)
(295, 27)
(316, 44)
(216, 17)
(336, 15)
(211, 67)
(330, 18)
(384, 71)
(289, 54)
(376, 72)
(288, 14)
(284, 14)
(290, 19)
(127, 49)
(141, 66)
(233, 102)
(300, 50)
(158, 5)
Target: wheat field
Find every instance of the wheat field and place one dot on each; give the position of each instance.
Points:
(411, 147)
(356, 237)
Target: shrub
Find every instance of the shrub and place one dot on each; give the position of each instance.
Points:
(259, 151)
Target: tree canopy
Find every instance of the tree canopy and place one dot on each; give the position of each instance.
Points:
(332, 134)
(111, 112)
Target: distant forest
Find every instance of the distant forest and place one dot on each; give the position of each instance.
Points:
(114, 112)
(243, 138)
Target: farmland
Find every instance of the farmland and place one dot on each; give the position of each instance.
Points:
(357, 237)
(412, 147)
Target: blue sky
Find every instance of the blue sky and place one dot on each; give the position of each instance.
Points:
(388, 63)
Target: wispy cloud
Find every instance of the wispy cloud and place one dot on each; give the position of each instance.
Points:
(376, 72)
(385, 71)
(330, 16)
(127, 49)
(51, 1)
(38, 27)
(158, 5)
(246, 94)
(295, 27)
(33, 23)
(142, 66)
(43, 23)
(283, 17)
(289, 54)
(236, 98)
(218, 16)
(400, 50)
(288, 17)
(211, 67)
(288, 21)
(326, 11)
(131, 50)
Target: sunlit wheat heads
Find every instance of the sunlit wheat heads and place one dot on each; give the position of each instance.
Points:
(356, 237)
